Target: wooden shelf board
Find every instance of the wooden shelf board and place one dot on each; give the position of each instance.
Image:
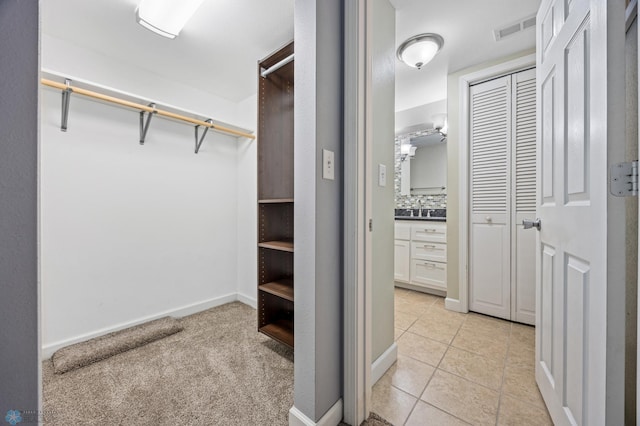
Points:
(278, 245)
(276, 201)
(281, 288)
(281, 330)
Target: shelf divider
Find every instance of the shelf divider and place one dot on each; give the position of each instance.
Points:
(282, 288)
(280, 330)
(276, 201)
(278, 245)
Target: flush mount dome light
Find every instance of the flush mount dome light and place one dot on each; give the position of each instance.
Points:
(166, 17)
(419, 50)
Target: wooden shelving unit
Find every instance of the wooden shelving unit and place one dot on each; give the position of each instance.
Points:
(275, 199)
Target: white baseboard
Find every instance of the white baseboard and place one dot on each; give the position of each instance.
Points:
(453, 305)
(420, 288)
(251, 301)
(330, 418)
(49, 349)
(383, 363)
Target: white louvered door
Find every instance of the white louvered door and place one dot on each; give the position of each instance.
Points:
(502, 188)
(523, 169)
(490, 246)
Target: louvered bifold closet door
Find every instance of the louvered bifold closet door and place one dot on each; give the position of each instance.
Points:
(490, 188)
(523, 294)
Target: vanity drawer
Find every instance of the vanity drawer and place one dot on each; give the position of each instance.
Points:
(430, 274)
(429, 231)
(429, 251)
(403, 231)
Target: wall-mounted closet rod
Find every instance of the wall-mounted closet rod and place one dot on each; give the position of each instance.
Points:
(145, 108)
(277, 66)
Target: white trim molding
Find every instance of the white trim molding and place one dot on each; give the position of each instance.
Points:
(357, 290)
(247, 300)
(330, 418)
(51, 348)
(465, 82)
(453, 305)
(421, 289)
(383, 363)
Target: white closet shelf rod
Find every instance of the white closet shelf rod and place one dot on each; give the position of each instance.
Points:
(151, 109)
(277, 66)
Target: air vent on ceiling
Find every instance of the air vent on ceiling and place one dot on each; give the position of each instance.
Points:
(511, 29)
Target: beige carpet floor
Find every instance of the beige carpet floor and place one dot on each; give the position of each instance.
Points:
(218, 371)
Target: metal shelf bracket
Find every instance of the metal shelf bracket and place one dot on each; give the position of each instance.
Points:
(144, 127)
(66, 97)
(201, 139)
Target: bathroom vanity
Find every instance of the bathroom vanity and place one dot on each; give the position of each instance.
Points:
(421, 253)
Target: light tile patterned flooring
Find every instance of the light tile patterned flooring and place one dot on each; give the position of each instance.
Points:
(458, 369)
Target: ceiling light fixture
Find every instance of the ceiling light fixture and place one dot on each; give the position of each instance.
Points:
(166, 17)
(420, 49)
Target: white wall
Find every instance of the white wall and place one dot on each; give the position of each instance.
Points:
(433, 113)
(79, 62)
(133, 232)
(247, 215)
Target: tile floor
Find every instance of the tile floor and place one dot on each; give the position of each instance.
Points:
(458, 369)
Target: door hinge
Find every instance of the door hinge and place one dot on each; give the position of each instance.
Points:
(370, 225)
(624, 179)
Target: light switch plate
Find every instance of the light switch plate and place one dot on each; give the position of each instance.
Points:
(382, 175)
(328, 165)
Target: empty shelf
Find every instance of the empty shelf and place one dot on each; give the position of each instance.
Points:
(281, 330)
(281, 288)
(276, 201)
(278, 245)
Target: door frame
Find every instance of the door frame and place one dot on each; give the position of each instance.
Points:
(357, 324)
(464, 84)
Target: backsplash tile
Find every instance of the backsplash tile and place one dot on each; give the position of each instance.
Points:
(417, 212)
(437, 201)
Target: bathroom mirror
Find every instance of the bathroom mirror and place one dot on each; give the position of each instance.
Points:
(423, 164)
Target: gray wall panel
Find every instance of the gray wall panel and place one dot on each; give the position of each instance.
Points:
(19, 388)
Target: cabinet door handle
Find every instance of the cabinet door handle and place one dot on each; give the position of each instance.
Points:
(430, 230)
(431, 246)
(432, 265)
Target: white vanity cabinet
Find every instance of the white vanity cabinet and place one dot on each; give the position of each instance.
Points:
(421, 248)
(402, 263)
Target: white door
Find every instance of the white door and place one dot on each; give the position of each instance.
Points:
(503, 193)
(490, 242)
(523, 190)
(575, 51)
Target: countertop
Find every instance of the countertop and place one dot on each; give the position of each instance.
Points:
(422, 218)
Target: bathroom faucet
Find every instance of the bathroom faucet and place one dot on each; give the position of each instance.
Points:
(420, 209)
